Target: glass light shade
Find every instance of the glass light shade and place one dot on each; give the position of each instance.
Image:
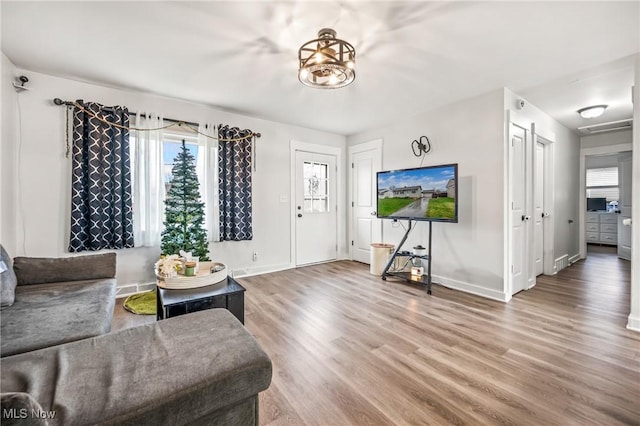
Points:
(592, 111)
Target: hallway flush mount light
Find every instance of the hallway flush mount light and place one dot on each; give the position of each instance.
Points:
(327, 62)
(592, 111)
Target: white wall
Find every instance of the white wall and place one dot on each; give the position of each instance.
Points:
(45, 177)
(598, 161)
(8, 156)
(605, 139)
(566, 150)
(467, 255)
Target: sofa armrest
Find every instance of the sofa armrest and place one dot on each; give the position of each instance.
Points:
(40, 270)
(179, 370)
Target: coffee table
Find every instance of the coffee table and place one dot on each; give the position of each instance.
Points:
(226, 294)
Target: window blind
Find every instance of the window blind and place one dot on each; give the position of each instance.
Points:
(605, 176)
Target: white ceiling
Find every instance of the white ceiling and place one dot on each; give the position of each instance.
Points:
(411, 56)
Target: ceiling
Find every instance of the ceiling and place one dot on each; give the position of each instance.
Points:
(412, 57)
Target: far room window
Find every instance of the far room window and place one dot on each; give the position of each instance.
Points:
(603, 183)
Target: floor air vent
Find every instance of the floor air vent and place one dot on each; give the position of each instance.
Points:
(562, 262)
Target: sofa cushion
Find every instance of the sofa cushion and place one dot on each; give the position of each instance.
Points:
(7, 279)
(50, 314)
(166, 373)
(38, 270)
(20, 409)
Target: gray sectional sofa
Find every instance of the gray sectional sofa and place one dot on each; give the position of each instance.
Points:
(55, 301)
(60, 366)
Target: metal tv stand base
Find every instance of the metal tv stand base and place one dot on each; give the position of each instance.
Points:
(412, 279)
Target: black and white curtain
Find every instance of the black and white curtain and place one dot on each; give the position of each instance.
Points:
(101, 201)
(234, 184)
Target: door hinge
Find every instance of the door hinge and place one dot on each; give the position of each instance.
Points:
(352, 166)
(511, 269)
(352, 204)
(351, 242)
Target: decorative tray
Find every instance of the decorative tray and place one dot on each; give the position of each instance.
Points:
(203, 278)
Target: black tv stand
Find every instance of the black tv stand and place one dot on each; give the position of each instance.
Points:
(425, 279)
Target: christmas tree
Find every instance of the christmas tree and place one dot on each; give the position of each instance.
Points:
(184, 212)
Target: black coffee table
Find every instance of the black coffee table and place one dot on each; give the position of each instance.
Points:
(227, 294)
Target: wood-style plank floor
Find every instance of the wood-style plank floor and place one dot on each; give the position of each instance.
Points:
(351, 349)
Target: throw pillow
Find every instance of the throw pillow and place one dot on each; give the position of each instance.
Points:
(39, 270)
(8, 280)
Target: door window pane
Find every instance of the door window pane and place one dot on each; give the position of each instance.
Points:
(315, 184)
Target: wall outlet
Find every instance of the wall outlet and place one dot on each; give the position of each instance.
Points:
(255, 256)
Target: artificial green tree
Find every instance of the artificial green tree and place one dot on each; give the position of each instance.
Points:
(184, 212)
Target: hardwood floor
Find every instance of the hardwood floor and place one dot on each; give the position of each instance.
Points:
(351, 349)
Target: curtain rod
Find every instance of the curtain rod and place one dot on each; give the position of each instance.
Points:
(59, 102)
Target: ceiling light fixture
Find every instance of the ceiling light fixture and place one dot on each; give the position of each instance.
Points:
(592, 111)
(327, 62)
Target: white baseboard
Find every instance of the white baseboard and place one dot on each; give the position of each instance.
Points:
(471, 288)
(249, 272)
(129, 289)
(633, 323)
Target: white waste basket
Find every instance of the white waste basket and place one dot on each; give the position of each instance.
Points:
(380, 254)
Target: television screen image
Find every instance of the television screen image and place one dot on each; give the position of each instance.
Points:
(596, 204)
(424, 193)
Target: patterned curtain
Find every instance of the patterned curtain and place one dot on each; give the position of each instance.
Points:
(234, 184)
(101, 202)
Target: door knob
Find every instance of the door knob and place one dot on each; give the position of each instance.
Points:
(299, 214)
(373, 213)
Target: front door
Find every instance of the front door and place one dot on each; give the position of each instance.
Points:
(315, 208)
(366, 227)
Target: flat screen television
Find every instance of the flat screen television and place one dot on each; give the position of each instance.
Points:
(596, 204)
(425, 193)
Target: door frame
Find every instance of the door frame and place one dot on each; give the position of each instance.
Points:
(294, 146)
(548, 251)
(582, 218)
(535, 133)
(376, 145)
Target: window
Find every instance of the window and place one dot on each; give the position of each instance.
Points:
(316, 184)
(152, 158)
(603, 183)
(171, 146)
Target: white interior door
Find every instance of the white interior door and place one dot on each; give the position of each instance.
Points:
(624, 205)
(518, 180)
(366, 227)
(538, 210)
(315, 208)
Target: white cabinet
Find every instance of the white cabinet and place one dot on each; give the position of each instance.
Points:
(602, 228)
